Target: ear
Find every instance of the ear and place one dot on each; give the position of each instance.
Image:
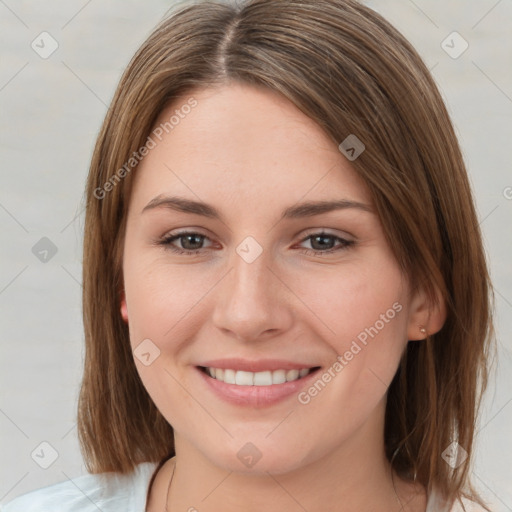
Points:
(425, 317)
(124, 308)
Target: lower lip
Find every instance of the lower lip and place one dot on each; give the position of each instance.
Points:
(256, 396)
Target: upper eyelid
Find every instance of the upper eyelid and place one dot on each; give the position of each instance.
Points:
(326, 231)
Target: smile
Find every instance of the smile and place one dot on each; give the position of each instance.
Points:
(255, 389)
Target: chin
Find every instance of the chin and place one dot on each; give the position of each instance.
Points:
(259, 458)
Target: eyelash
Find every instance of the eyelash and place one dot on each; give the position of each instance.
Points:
(167, 240)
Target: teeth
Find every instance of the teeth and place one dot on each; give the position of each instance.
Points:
(278, 376)
(294, 374)
(266, 378)
(244, 378)
(229, 376)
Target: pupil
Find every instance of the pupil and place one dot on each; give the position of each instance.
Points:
(191, 237)
(324, 238)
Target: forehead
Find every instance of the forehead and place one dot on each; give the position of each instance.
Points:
(244, 141)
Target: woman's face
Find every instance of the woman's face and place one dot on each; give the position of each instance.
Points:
(231, 262)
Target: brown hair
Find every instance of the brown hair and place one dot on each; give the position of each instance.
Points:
(349, 70)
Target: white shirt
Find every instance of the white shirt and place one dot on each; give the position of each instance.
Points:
(105, 492)
(114, 492)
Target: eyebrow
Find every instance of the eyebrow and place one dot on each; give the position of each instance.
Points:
(302, 210)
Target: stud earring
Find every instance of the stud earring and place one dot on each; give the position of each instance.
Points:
(423, 330)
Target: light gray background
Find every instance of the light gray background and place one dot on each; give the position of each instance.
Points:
(51, 110)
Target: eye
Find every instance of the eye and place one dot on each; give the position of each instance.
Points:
(324, 243)
(190, 242)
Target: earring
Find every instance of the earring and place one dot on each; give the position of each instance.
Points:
(423, 330)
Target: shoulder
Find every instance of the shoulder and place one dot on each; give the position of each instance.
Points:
(109, 492)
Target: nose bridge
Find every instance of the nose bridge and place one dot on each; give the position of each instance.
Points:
(251, 273)
(251, 301)
(251, 280)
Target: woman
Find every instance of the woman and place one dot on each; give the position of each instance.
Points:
(228, 364)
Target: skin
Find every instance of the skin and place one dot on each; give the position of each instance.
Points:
(251, 153)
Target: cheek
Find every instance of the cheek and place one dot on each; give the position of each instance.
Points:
(366, 316)
(159, 297)
(349, 300)
(363, 315)
(161, 306)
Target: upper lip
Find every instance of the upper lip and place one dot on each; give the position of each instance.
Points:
(260, 365)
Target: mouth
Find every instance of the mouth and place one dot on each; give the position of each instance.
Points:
(256, 389)
(263, 378)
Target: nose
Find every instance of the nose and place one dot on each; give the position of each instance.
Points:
(253, 301)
